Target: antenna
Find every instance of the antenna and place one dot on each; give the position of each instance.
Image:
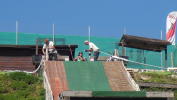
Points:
(124, 30)
(16, 32)
(53, 31)
(161, 34)
(89, 33)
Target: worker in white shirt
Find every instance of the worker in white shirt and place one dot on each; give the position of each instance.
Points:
(52, 52)
(92, 48)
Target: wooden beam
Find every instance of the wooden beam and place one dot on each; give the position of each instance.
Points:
(77, 94)
(160, 94)
(158, 85)
(89, 94)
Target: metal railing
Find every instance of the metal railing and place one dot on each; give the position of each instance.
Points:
(48, 95)
(130, 79)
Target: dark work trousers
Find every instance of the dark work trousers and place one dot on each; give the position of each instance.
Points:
(96, 55)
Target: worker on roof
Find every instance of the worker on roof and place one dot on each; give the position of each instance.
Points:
(52, 52)
(92, 48)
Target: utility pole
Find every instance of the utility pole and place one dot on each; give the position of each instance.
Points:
(89, 33)
(124, 48)
(53, 32)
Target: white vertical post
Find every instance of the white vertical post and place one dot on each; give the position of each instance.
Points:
(16, 32)
(47, 53)
(161, 51)
(89, 33)
(53, 31)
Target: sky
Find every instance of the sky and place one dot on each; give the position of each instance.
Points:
(107, 18)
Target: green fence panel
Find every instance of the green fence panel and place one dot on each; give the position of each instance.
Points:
(106, 44)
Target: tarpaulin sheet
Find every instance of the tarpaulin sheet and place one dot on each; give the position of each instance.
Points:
(86, 76)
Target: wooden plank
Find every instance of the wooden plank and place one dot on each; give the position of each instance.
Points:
(10, 58)
(16, 63)
(57, 78)
(90, 94)
(77, 93)
(117, 76)
(160, 94)
(158, 85)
